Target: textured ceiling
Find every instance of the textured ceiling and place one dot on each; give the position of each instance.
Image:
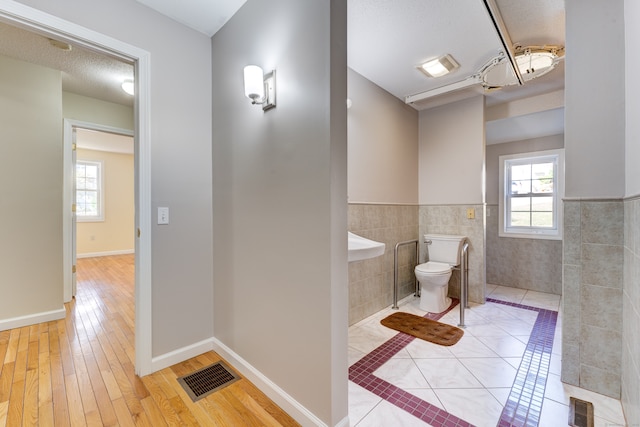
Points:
(386, 40)
(83, 71)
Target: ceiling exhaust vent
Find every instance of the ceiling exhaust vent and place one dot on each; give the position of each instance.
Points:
(205, 381)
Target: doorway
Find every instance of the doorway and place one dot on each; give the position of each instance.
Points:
(36, 21)
(108, 152)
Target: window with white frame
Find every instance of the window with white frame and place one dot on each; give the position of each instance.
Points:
(89, 191)
(531, 191)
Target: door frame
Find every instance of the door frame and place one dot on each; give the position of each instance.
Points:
(68, 243)
(43, 23)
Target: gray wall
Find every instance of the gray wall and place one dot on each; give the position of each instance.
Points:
(451, 170)
(383, 145)
(180, 126)
(280, 190)
(383, 192)
(593, 221)
(534, 264)
(30, 189)
(631, 283)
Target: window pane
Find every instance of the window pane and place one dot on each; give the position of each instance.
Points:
(91, 184)
(542, 204)
(92, 171)
(521, 204)
(544, 185)
(542, 219)
(521, 187)
(520, 219)
(520, 172)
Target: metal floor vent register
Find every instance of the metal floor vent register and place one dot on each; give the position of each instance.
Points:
(580, 413)
(205, 381)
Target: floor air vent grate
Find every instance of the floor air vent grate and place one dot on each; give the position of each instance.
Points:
(205, 381)
(580, 413)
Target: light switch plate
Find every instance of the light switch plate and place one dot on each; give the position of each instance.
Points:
(163, 216)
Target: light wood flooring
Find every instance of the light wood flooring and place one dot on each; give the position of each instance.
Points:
(79, 370)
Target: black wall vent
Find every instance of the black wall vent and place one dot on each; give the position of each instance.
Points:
(580, 413)
(205, 381)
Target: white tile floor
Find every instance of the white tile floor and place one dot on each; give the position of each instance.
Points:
(472, 379)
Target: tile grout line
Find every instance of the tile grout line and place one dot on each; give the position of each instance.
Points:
(540, 343)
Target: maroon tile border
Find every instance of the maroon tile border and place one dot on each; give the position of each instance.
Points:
(524, 403)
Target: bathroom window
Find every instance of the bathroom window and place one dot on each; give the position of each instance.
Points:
(89, 191)
(531, 195)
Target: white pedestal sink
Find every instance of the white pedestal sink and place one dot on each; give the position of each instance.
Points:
(361, 248)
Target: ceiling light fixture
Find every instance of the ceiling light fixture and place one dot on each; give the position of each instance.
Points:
(439, 67)
(128, 86)
(532, 62)
(260, 88)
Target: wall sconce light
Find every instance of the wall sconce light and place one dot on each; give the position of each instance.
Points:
(128, 86)
(260, 88)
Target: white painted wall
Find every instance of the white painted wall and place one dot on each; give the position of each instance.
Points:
(30, 190)
(451, 153)
(280, 206)
(180, 123)
(632, 99)
(382, 145)
(85, 109)
(594, 101)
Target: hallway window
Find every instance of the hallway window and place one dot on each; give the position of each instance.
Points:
(89, 191)
(531, 194)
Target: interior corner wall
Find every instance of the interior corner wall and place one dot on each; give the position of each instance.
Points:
(30, 189)
(280, 210)
(180, 133)
(594, 213)
(382, 146)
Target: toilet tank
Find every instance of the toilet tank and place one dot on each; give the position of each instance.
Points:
(444, 248)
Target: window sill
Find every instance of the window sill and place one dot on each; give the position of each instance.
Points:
(537, 236)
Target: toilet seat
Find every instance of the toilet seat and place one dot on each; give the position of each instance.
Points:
(433, 268)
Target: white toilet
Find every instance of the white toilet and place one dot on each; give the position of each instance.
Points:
(443, 254)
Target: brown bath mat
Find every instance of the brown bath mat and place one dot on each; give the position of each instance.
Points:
(423, 328)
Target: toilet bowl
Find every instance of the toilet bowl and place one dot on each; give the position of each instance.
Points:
(433, 275)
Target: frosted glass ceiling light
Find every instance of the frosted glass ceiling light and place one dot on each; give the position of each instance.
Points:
(439, 67)
(260, 89)
(128, 86)
(532, 62)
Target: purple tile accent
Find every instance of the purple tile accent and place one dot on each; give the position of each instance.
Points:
(361, 373)
(524, 404)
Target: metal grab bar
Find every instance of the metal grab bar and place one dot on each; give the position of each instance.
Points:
(464, 281)
(395, 270)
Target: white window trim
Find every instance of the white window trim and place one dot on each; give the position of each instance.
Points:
(100, 216)
(555, 234)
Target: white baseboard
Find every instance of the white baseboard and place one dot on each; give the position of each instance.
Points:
(105, 253)
(32, 319)
(181, 354)
(268, 387)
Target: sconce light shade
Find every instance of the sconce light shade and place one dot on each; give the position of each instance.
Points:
(259, 88)
(254, 83)
(128, 86)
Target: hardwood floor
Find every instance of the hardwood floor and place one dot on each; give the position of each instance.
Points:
(79, 370)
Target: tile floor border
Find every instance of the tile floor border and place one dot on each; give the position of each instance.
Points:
(524, 404)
